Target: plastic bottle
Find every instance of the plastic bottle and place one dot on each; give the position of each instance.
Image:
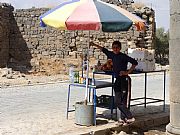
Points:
(93, 81)
(76, 76)
(71, 74)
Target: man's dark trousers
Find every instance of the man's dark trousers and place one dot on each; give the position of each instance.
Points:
(121, 88)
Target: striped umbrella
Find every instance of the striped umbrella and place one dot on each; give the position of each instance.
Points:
(90, 15)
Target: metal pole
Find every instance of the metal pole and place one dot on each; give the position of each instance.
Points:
(87, 71)
(68, 101)
(112, 97)
(94, 97)
(145, 89)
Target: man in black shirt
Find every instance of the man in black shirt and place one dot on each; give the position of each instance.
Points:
(120, 62)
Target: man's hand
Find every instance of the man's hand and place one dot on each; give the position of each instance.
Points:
(123, 73)
(92, 44)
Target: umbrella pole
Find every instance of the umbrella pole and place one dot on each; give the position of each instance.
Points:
(87, 71)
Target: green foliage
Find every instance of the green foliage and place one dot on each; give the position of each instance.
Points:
(162, 46)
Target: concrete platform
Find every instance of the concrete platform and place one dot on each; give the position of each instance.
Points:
(152, 116)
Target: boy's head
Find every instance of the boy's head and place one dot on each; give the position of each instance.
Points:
(116, 47)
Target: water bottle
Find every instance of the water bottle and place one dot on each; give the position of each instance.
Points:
(93, 81)
(76, 76)
(71, 74)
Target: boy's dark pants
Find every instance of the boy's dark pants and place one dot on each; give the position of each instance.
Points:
(121, 96)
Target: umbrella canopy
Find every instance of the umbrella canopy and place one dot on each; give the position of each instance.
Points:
(90, 15)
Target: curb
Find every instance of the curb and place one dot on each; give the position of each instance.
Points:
(142, 123)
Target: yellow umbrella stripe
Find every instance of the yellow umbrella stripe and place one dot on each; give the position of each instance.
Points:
(58, 17)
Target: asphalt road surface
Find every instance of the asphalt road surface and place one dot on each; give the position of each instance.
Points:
(41, 109)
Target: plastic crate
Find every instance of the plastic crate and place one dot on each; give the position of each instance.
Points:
(105, 101)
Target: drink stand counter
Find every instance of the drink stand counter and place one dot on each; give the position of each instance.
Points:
(104, 84)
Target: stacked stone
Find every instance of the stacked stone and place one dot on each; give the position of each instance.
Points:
(30, 43)
(5, 11)
(147, 38)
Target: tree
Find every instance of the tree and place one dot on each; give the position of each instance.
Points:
(162, 46)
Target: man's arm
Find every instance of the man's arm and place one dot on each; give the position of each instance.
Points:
(134, 64)
(108, 53)
(124, 73)
(131, 69)
(93, 44)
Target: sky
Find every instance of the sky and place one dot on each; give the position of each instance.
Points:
(161, 8)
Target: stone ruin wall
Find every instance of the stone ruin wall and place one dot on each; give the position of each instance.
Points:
(27, 46)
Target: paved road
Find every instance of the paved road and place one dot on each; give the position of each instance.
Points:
(40, 109)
